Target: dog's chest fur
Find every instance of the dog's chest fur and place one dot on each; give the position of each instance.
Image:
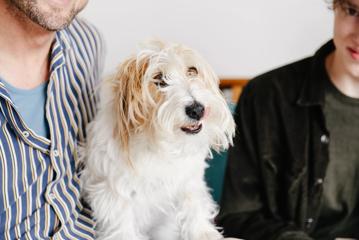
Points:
(161, 171)
(158, 177)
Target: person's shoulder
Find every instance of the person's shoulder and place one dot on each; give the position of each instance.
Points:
(84, 37)
(293, 72)
(287, 79)
(82, 28)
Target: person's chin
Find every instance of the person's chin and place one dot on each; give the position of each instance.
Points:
(55, 23)
(60, 4)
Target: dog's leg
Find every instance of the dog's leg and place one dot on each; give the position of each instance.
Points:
(197, 213)
(167, 229)
(122, 227)
(121, 233)
(114, 216)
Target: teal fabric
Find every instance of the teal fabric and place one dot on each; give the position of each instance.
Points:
(214, 175)
(30, 103)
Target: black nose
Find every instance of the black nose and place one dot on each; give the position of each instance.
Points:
(195, 110)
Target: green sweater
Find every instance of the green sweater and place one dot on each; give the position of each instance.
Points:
(339, 214)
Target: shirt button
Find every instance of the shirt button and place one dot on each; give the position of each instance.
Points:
(56, 153)
(308, 222)
(26, 134)
(324, 139)
(319, 181)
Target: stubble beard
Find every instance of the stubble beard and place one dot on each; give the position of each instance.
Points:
(50, 21)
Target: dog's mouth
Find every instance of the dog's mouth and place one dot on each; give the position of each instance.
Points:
(192, 128)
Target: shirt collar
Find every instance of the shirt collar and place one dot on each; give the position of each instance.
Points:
(61, 44)
(312, 92)
(63, 38)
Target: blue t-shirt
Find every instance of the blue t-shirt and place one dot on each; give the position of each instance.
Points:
(30, 103)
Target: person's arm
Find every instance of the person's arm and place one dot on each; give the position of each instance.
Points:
(244, 209)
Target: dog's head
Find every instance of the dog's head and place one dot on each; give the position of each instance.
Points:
(169, 90)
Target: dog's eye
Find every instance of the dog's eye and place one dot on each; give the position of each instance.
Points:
(158, 76)
(192, 71)
(159, 81)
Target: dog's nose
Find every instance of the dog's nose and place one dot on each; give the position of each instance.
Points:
(195, 110)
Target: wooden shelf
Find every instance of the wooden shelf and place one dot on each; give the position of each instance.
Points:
(235, 85)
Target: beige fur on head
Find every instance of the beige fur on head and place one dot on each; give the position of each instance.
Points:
(138, 103)
(131, 110)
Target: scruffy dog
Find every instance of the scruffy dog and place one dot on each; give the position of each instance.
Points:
(159, 116)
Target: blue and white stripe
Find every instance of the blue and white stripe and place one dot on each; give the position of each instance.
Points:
(39, 195)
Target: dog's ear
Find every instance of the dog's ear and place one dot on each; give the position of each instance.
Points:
(129, 106)
(152, 44)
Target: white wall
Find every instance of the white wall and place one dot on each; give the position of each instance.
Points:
(238, 38)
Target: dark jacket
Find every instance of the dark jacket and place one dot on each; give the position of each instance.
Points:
(273, 183)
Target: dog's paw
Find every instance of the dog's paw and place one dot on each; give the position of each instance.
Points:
(211, 235)
(232, 239)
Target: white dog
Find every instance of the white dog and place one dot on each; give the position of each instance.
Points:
(145, 158)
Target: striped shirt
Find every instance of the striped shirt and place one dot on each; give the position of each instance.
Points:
(39, 196)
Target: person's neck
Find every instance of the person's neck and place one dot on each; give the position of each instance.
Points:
(24, 49)
(345, 82)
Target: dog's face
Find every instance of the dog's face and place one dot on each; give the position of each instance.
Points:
(169, 90)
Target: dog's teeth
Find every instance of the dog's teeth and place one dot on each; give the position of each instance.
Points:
(193, 127)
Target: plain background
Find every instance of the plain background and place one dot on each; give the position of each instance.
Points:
(240, 39)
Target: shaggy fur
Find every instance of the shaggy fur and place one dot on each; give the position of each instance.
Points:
(146, 149)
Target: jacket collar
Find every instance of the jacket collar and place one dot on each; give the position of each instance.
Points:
(312, 92)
